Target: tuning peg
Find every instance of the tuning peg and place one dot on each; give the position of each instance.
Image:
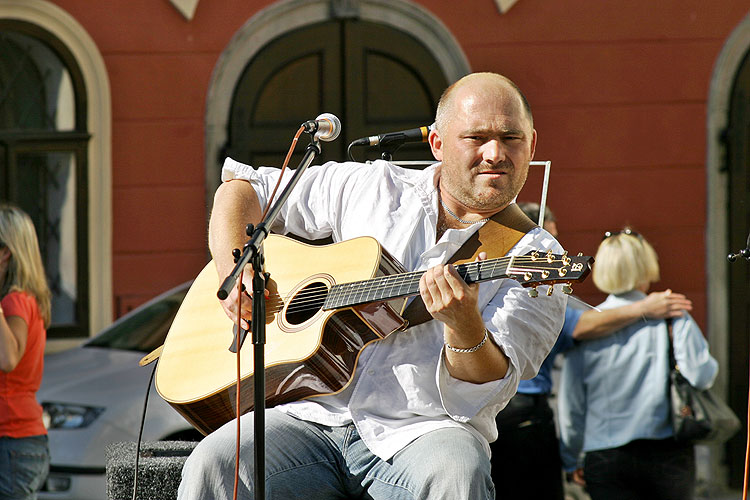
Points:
(567, 289)
(533, 293)
(550, 290)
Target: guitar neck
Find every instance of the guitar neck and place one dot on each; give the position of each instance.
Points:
(397, 286)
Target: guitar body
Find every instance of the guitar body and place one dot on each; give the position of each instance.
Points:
(308, 352)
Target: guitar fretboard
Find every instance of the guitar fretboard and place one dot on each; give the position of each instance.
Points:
(404, 285)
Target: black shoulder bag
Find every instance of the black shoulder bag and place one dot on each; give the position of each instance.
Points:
(697, 415)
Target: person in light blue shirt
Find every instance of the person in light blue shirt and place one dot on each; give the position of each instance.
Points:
(525, 456)
(614, 394)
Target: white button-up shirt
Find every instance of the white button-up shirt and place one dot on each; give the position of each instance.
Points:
(402, 388)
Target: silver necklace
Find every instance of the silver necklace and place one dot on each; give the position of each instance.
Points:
(459, 219)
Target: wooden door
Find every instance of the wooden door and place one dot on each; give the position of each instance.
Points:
(738, 222)
(374, 78)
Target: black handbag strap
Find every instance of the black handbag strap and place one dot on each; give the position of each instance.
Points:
(672, 360)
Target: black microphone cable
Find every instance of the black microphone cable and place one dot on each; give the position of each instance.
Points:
(140, 433)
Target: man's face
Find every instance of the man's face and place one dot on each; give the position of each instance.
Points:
(485, 147)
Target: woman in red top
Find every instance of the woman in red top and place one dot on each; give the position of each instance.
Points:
(24, 316)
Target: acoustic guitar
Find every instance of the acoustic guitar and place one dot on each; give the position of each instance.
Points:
(326, 304)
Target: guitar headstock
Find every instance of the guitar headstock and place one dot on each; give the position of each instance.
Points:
(539, 268)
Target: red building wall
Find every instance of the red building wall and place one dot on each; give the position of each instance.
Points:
(618, 88)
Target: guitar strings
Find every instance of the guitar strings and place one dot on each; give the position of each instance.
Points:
(379, 284)
(389, 282)
(359, 290)
(365, 288)
(314, 299)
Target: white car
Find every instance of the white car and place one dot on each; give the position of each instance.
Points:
(93, 395)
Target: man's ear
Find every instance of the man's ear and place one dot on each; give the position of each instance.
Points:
(436, 145)
(533, 143)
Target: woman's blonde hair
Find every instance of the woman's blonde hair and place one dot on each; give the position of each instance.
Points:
(25, 269)
(624, 261)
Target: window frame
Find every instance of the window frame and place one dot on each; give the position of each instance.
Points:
(76, 142)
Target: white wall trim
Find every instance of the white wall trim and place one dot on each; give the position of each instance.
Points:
(63, 26)
(287, 15)
(504, 5)
(185, 7)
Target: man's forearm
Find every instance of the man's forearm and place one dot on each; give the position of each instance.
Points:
(485, 364)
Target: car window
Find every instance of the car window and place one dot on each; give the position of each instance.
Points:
(145, 328)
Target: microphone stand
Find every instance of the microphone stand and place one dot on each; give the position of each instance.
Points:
(253, 253)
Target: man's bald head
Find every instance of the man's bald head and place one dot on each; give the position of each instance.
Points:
(477, 82)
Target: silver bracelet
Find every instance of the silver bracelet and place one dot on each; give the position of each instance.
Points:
(470, 349)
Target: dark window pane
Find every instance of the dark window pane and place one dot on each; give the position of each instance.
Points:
(36, 90)
(47, 190)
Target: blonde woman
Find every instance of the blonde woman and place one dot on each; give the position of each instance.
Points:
(615, 427)
(24, 316)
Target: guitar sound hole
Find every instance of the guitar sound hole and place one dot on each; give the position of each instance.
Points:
(306, 303)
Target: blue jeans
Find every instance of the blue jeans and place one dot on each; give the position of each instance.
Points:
(316, 462)
(24, 464)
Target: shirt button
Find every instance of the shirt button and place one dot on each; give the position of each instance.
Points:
(371, 372)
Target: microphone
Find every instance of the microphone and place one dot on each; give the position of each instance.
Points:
(326, 127)
(395, 138)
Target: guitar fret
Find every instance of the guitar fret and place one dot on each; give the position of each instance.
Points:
(338, 297)
(358, 293)
(386, 290)
(370, 293)
(401, 286)
(510, 265)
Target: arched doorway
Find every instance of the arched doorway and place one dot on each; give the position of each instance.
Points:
(737, 138)
(374, 78)
(728, 143)
(438, 47)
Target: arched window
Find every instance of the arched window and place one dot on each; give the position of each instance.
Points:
(43, 160)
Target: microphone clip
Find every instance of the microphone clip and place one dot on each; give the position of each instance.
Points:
(745, 252)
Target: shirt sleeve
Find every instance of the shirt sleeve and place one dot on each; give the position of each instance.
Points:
(565, 340)
(691, 353)
(525, 328)
(571, 410)
(310, 211)
(18, 304)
